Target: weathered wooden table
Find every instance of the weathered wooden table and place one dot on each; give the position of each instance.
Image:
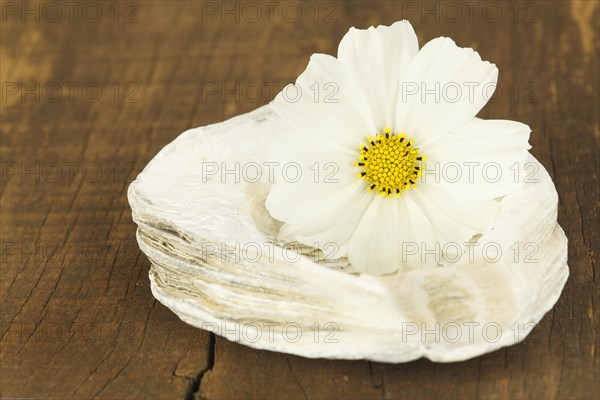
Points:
(91, 91)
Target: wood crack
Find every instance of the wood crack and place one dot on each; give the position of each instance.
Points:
(295, 378)
(194, 386)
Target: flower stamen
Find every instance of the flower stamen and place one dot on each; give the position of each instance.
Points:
(389, 163)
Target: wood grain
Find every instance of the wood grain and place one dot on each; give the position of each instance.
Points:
(78, 318)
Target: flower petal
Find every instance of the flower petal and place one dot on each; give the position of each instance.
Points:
(362, 251)
(305, 201)
(454, 220)
(326, 101)
(419, 235)
(331, 232)
(444, 87)
(480, 160)
(378, 58)
(387, 231)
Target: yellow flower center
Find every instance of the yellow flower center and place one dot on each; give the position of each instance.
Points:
(390, 163)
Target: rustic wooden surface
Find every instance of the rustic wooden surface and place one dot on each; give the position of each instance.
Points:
(78, 318)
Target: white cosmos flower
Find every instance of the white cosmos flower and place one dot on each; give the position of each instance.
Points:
(383, 112)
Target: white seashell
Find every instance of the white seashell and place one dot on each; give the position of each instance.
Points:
(315, 309)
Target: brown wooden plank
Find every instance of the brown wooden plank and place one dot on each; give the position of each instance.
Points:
(78, 318)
